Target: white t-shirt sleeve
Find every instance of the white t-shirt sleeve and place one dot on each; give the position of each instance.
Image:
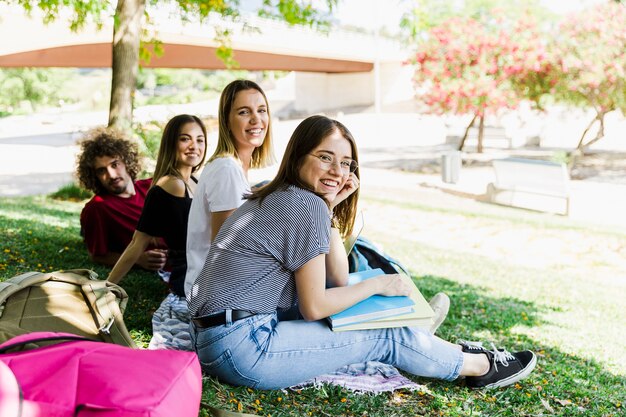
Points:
(227, 186)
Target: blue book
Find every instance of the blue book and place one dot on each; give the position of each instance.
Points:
(372, 308)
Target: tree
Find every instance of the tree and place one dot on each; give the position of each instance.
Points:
(32, 86)
(591, 68)
(129, 17)
(427, 14)
(480, 66)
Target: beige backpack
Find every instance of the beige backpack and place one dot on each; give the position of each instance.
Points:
(73, 301)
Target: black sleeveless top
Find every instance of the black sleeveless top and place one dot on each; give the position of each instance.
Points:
(165, 215)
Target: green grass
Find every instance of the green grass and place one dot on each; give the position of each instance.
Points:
(71, 192)
(571, 315)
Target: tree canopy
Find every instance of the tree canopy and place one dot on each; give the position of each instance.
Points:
(130, 17)
(484, 62)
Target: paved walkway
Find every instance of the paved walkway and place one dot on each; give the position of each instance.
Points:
(43, 161)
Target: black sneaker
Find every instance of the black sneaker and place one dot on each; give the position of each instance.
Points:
(506, 368)
(471, 347)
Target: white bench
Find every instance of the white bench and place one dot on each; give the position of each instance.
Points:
(493, 137)
(530, 184)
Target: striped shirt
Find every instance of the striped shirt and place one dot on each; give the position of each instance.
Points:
(252, 260)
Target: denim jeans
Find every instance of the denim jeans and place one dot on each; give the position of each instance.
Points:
(264, 353)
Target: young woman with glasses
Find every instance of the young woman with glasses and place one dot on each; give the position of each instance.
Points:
(283, 248)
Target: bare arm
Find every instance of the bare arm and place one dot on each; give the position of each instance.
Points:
(151, 260)
(217, 220)
(317, 302)
(131, 255)
(336, 261)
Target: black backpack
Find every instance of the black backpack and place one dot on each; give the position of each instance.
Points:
(366, 255)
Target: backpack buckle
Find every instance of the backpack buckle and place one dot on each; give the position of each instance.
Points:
(106, 327)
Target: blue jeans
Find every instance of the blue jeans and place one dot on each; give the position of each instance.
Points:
(264, 353)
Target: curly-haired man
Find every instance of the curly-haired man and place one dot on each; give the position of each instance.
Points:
(108, 165)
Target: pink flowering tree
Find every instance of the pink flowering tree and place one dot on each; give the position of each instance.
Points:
(591, 70)
(480, 67)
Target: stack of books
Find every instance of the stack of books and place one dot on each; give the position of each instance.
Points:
(378, 311)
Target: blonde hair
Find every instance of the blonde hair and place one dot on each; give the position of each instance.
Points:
(261, 156)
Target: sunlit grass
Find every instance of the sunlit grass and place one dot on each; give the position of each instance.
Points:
(570, 315)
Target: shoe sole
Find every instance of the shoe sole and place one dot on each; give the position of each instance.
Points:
(441, 317)
(514, 378)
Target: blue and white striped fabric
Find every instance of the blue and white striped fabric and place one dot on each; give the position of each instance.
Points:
(252, 260)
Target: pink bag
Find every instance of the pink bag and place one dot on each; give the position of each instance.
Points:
(83, 378)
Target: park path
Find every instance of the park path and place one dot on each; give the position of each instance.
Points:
(37, 156)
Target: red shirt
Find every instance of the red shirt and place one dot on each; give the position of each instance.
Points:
(108, 221)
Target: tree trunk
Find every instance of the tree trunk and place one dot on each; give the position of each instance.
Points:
(481, 131)
(582, 146)
(462, 143)
(126, 34)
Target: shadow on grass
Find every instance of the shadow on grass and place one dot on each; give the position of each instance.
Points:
(562, 384)
(31, 245)
(40, 206)
(473, 311)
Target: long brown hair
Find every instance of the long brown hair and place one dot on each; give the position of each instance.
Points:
(307, 136)
(263, 155)
(166, 160)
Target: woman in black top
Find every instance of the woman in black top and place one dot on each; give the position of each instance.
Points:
(166, 209)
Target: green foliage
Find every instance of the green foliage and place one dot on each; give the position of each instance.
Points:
(428, 14)
(71, 192)
(82, 11)
(591, 70)
(27, 89)
(561, 157)
(479, 56)
(175, 86)
(297, 12)
(149, 135)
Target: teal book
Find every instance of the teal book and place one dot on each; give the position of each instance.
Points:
(372, 308)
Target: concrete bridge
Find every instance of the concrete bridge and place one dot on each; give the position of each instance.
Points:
(333, 70)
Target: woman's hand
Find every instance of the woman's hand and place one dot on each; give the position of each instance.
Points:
(153, 259)
(393, 284)
(351, 185)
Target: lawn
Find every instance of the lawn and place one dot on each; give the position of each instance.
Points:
(523, 280)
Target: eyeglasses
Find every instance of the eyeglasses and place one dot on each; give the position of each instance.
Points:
(327, 161)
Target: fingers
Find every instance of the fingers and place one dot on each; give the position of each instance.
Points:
(352, 183)
(349, 187)
(395, 285)
(154, 259)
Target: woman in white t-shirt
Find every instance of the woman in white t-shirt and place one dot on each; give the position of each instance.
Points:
(244, 142)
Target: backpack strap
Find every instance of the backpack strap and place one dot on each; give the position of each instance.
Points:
(7, 288)
(103, 297)
(15, 284)
(49, 338)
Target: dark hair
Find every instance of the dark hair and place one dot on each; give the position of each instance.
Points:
(101, 142)
(166, 160)
(261, 156)
(307, 136)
